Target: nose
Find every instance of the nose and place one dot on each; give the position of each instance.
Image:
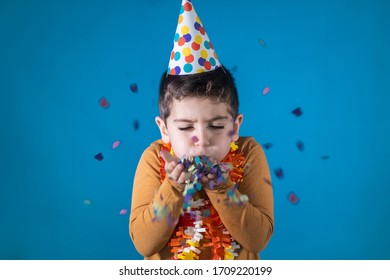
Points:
(202, 138)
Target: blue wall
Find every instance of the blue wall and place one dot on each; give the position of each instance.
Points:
(58, 58)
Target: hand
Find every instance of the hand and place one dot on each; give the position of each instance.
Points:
(173, 168)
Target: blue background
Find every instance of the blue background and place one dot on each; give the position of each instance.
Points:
(58, 58)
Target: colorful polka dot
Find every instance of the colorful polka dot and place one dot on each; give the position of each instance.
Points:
(185, 29)
(206, 45)
(187, 37)
(177, 56)
(181, 41)
(195, 46)
(204, 54)
(187, 7)
(188, 68)
(201, 61)
(180, 20)
(186, 51)
(172, 55)
(207, 65)
(198, 40)
(189, 58)
(201, 30)
(177, 36)
(197, 25)
(213, 61)
(177, 70)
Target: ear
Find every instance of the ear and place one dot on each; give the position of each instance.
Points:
(236, 126)
(163, 129)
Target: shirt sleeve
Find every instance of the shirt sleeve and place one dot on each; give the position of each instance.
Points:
(251, 224)
(148, 234)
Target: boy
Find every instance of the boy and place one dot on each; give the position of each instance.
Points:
(228, 212)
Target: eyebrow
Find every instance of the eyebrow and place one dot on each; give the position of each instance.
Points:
(218, 118)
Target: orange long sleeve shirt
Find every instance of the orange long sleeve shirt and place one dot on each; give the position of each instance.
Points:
(250, 224)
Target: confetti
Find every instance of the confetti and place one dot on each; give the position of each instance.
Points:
(133, 87)
(103, 102)
(297, 112)
(279, 173)
(116, 144)
(136, 124)
(194, 139)
(266, 90)
(87, 202)
(231, 133)
(300, 145)
(267, 146)
(123, 212)
(99, 157)
(293, 198)
(262, 43)
(324, 157)
(234, 69)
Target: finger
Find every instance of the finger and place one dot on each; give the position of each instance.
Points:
(168, 157)
(176, 172)
(182, 178)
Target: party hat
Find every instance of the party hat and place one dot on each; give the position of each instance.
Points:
(192, 49)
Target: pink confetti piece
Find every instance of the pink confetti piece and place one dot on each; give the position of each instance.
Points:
(87, 202)
(133, 87)
(267, 146)
(116, 144)
(293, 198)
(194, 139)
(103, 102)
(266, 90)
(300, 145)
(297, 112)
(279, 173)
(123, 212)
(99, 157)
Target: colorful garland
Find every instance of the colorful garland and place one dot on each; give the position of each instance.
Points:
(200, 226)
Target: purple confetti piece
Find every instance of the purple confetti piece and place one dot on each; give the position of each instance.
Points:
(293, 198)
(300, 145)
(231, 133)
(99, 157)
(116, 144)
(133, 87)
(136, 124)
(267, 146)
(279, 173)
(297, 112)
(266, 90)
(103, 102)
(123, 212)
(194, 139)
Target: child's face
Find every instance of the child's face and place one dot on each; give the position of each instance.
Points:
(199, 126)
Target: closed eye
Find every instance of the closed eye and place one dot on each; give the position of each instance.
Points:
(186, 128)
(216, 126)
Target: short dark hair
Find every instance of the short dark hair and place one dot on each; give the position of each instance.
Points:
(217, 84)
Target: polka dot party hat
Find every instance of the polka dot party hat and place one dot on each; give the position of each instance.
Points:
(192, 49)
